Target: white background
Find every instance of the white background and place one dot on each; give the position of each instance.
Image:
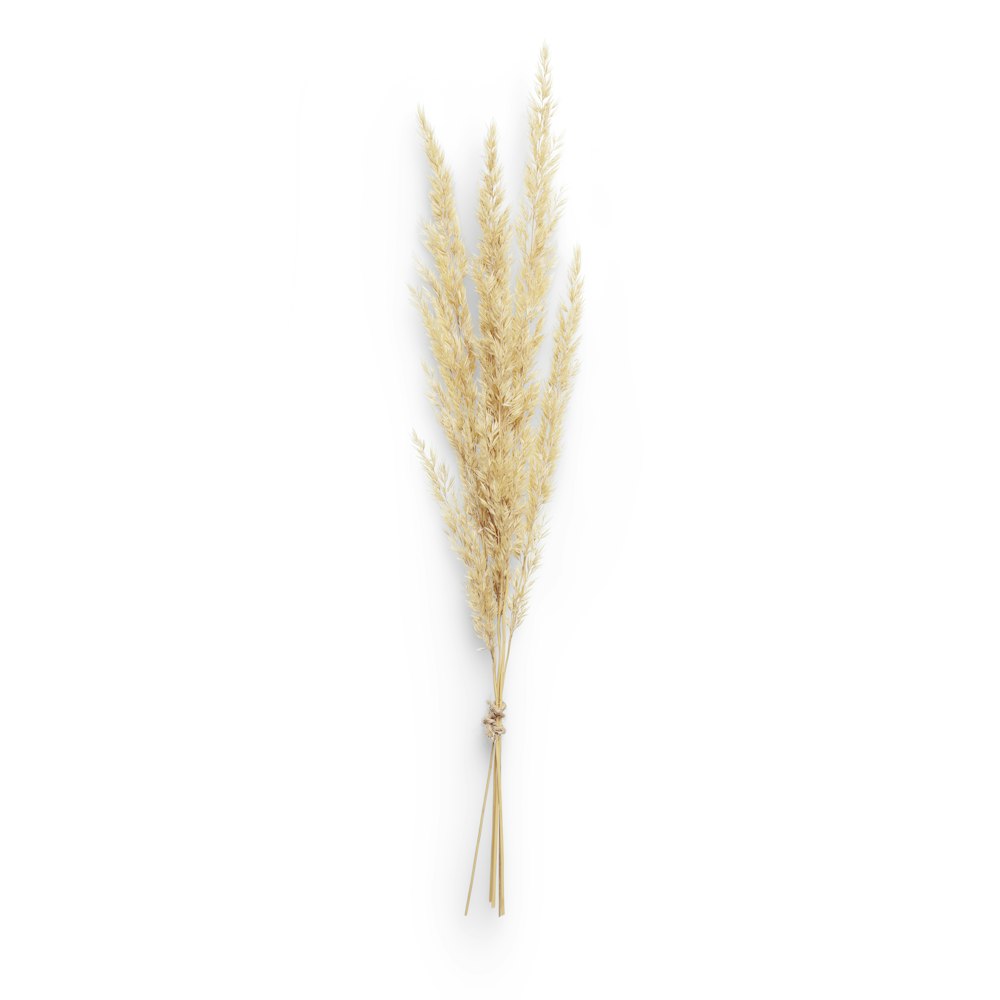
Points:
(753, 743)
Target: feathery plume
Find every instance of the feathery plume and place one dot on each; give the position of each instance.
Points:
(503, 425)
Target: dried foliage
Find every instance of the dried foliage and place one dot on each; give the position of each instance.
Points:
(503, 424)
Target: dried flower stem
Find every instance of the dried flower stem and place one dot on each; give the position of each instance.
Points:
(479, 836)
(504, 426)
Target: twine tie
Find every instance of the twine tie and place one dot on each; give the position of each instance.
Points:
(494, 720)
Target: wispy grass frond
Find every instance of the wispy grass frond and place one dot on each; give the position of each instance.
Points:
(503, 423)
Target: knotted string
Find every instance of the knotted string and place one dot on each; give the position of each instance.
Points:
(494, 720)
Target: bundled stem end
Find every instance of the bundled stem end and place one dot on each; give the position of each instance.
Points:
(503, 423)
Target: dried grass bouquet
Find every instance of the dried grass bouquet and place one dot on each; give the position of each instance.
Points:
(503, 423)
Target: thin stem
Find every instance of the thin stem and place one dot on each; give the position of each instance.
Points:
(493, 658)
(493, 834)
(497, 673)
(500, 824)
(504, 661)
(482, 816)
